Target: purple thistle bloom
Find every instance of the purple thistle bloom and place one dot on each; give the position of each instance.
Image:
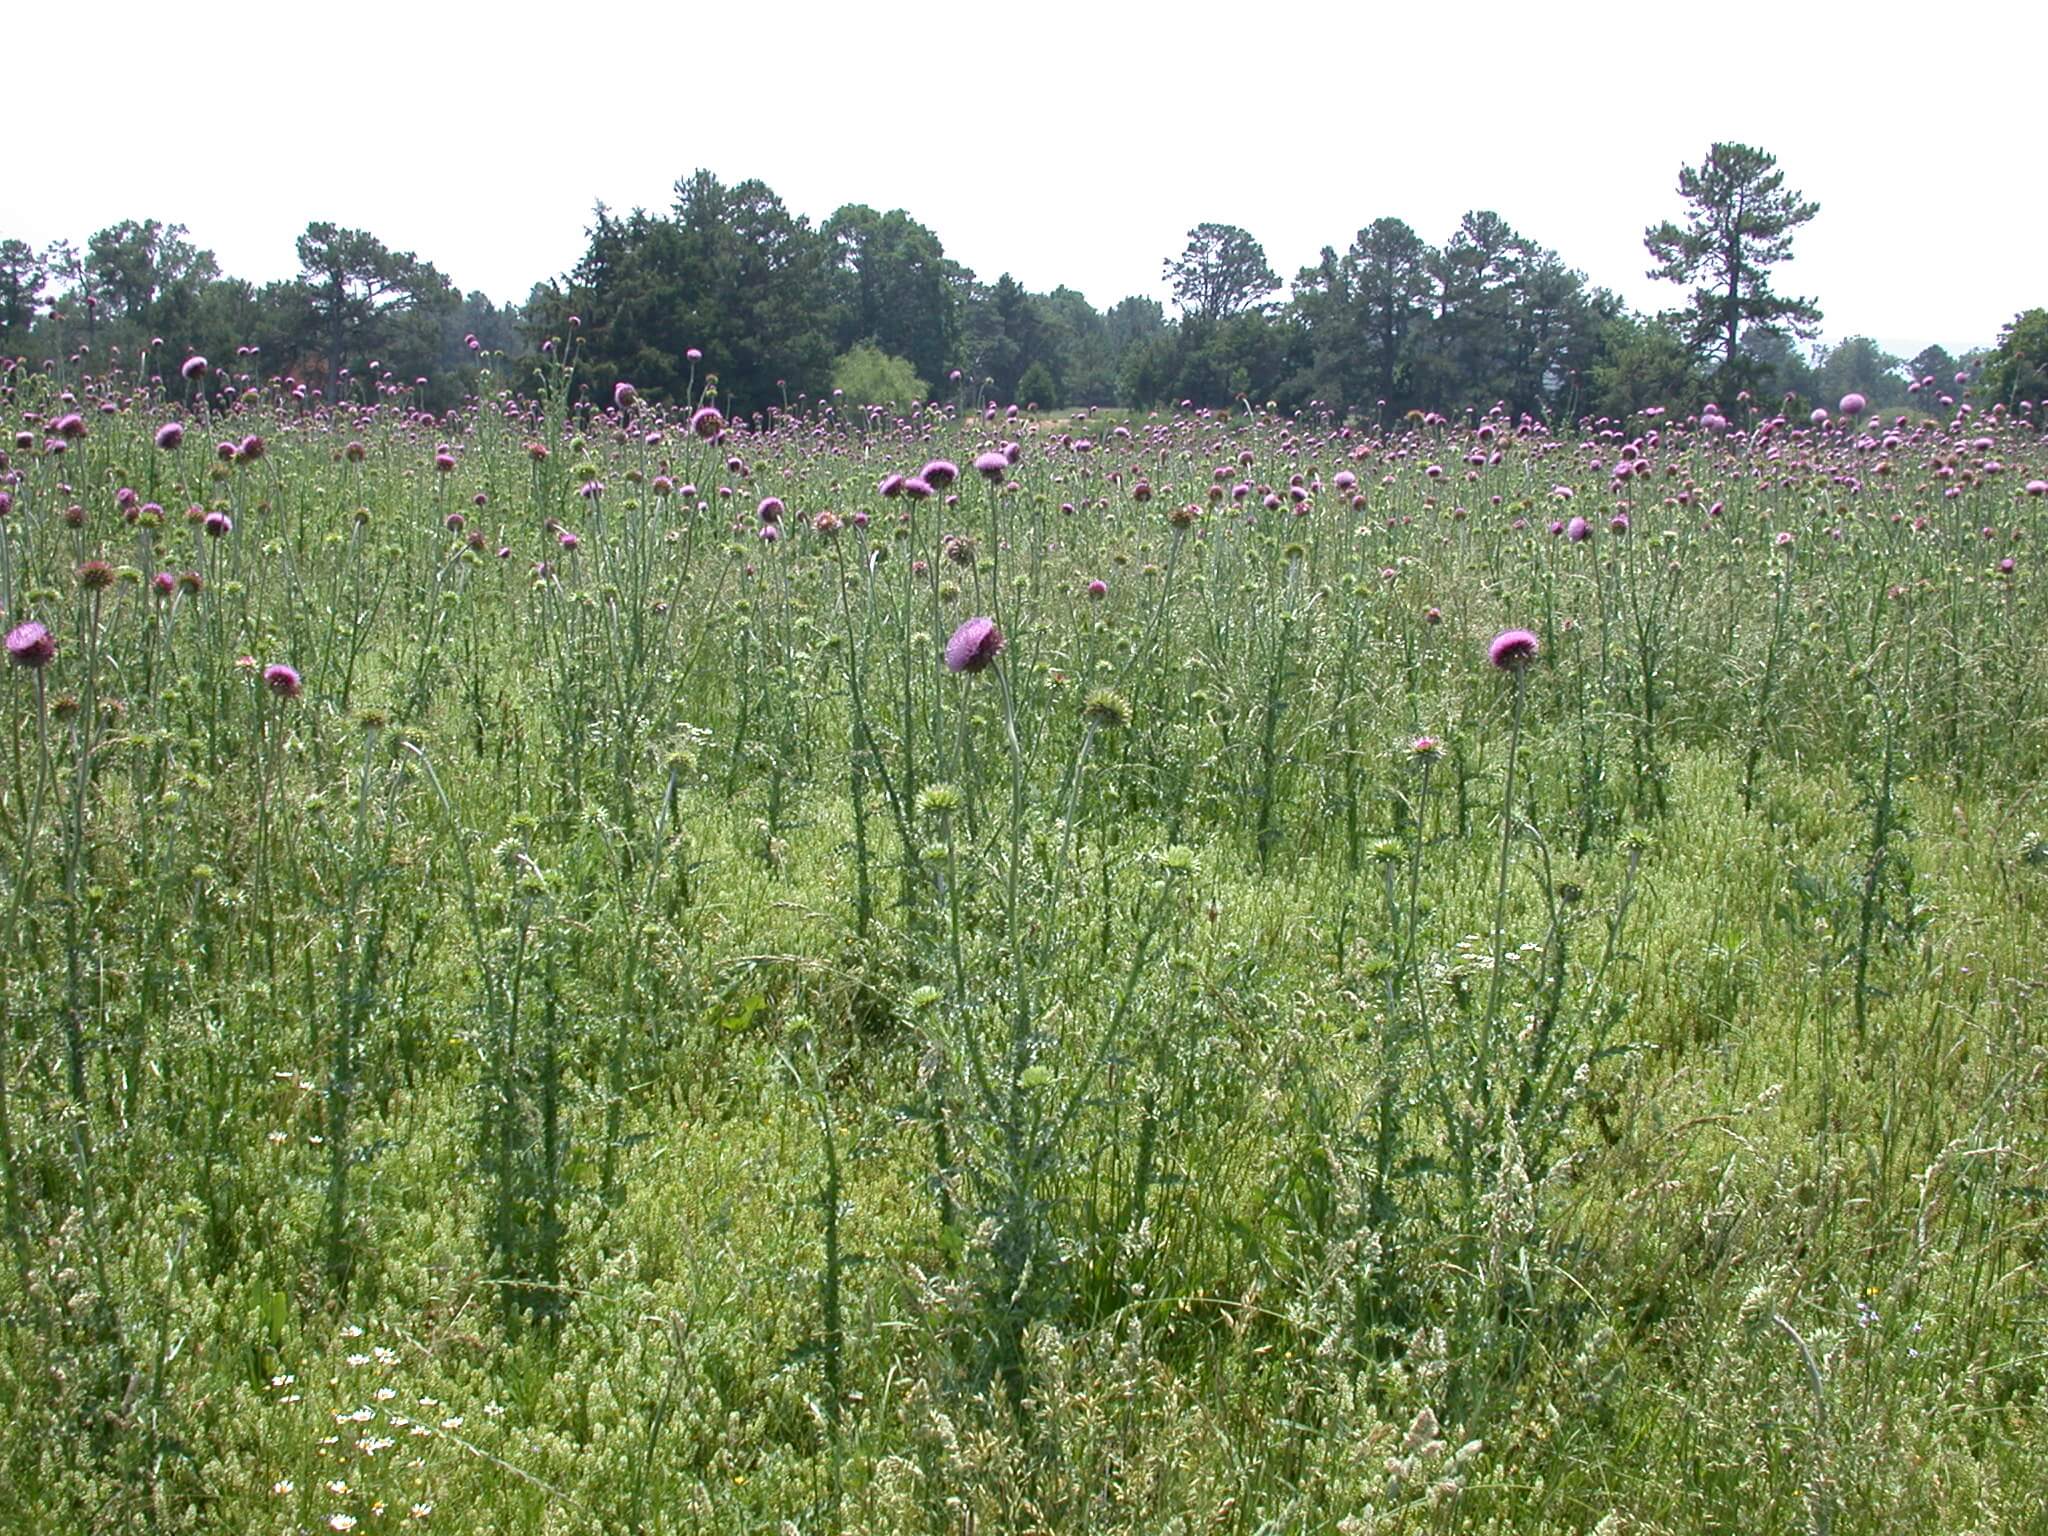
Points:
(974, 645)
(192, 369)
(218, 524)
(1578, 530)
(170, 435)
(1512, 649)
(939, 474)
(990, 466)
(31, 645)
(891, 486)
(282, 680)
(706, 421)
(770, 510)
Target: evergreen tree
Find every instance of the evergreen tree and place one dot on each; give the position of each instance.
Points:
(1222, 272)
(23, 276)
(1739, 225)
(363, 301)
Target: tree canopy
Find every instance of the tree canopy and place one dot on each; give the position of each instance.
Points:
(731, 291)
(1739, 223)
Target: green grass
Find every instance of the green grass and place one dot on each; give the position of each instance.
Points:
(550, 1100)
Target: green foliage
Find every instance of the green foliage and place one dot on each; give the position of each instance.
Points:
(866, 375)
(730, 272)
(2018, 367)
(362, 299)
(1738, 226)
(23, 275)
(1222, 272)
(1859, 365)
(637, 1043)
(1642, 363)
(147, 272)
(1038, 388)
(894, 288)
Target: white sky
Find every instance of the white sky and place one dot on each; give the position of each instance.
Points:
(1064, 143)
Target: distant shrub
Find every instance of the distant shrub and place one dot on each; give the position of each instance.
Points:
(866, 375)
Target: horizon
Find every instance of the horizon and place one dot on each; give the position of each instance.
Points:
(1098, 221)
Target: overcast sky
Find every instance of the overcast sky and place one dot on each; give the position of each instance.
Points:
(1064, 144)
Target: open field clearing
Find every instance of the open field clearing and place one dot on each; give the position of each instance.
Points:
(577, 968)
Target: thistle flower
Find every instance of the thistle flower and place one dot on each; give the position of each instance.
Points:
(31, 645)
(974, 645)
(218, 524)
(990, 466)
(283, 681)
(192, 369)
(939, 473)
(706, 421)
(1106, 709)
(170, 436)
(938, 800)
(1512, 649)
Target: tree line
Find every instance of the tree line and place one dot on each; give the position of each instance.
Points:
(730, 289)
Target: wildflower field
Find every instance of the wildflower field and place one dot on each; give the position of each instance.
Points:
(602, 968)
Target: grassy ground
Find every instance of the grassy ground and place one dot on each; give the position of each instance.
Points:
(642, 1046)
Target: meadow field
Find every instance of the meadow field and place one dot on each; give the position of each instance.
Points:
(588, 966)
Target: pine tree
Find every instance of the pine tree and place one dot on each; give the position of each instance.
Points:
(1739, 226)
